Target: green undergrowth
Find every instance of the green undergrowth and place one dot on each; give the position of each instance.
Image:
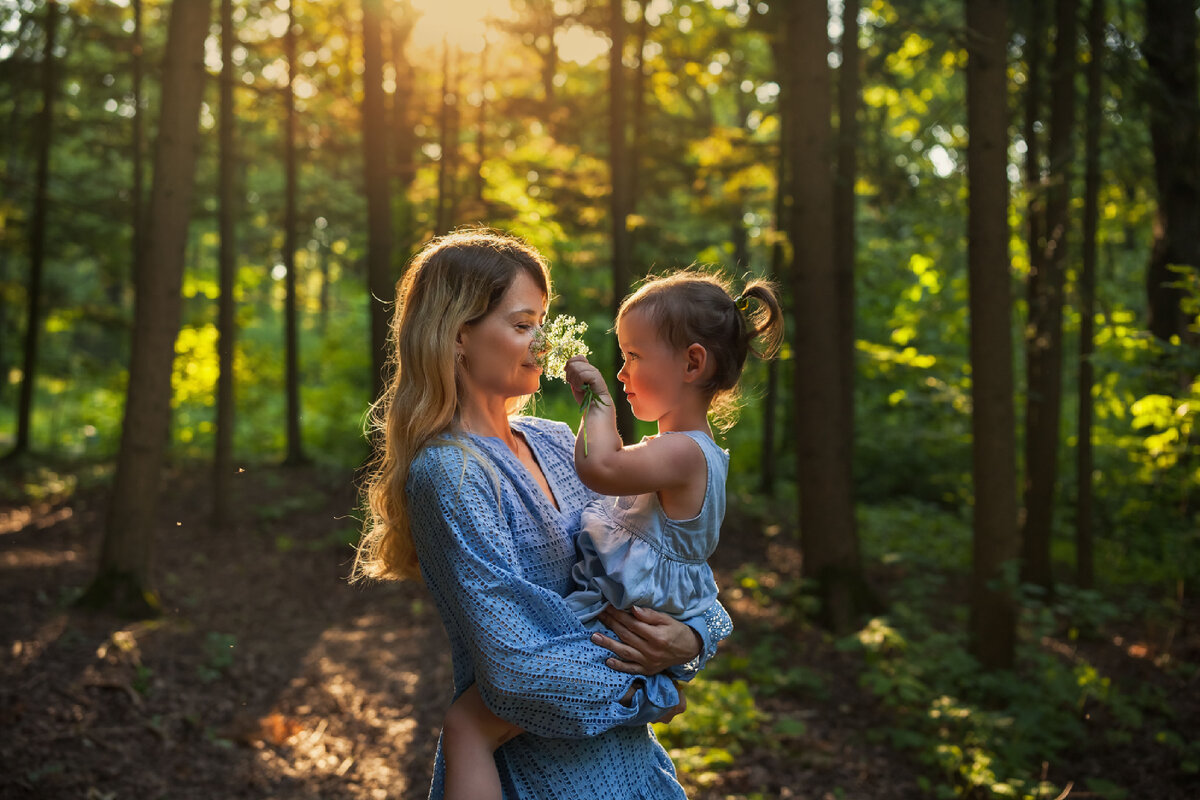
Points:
(972, 734)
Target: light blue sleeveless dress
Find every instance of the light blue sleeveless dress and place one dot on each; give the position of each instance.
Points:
(631, 553)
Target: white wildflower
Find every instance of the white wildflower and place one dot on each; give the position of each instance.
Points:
(556, 342)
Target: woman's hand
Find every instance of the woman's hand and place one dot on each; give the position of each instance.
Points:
(650, 641)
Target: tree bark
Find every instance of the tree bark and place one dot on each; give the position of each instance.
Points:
(849, 83)
(1044, 346)
(1084, 559)
(123, 581)
(827, 530)
(37, 234)
(1174, 104)
(443, 177)
(226, 309)
(375, 179)
(619, 210)
(995, 543)
(295, 440)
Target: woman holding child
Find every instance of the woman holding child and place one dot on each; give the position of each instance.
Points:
(485, 506)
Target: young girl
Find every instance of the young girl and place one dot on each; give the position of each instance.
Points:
(645, 544)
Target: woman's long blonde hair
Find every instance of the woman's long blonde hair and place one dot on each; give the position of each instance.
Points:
(455, 280)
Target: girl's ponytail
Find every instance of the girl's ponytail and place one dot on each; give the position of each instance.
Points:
(759, 304)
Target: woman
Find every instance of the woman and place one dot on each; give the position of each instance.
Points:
(485, 505)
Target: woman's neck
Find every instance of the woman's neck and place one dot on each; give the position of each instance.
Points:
(488, 418)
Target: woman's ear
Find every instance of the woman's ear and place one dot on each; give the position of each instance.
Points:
(697, 364)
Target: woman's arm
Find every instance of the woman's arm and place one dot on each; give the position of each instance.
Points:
(533, 663)
(652, 642)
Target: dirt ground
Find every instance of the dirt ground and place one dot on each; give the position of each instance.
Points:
(269, 676)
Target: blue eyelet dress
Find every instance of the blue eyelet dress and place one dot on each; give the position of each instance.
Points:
(497, 558)
(633, 554)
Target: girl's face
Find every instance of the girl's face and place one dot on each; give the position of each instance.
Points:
(653, 373)
(496, 348)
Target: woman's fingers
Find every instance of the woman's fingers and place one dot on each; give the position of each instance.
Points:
(626, 626)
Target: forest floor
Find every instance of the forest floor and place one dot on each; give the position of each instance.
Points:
(268, 676)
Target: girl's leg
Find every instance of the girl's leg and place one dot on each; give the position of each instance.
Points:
(470, 734)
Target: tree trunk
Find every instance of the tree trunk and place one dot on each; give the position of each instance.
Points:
(993, 611)
(618, 160)
(481, 131)
(849, 83)
(375, 178)
(443, 176)
(226, 316)
(767, 469)
(137, 211)
(295, 442)
(828, 535)
(1174, 104)
(123, 579)
(37, 234)
(1044, 344)
(1084, 563)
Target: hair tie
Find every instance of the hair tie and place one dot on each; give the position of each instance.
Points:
(742, 302)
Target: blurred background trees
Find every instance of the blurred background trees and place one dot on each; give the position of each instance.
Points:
(822, 145)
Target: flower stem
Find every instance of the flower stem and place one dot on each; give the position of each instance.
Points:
(586, 405)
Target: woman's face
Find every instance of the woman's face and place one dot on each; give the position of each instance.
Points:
(495, 349)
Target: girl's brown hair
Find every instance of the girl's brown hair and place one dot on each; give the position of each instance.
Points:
(693, 307)
(455, 280)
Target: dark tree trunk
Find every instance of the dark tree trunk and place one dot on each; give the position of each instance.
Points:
(1174, 103)
(767, 469)
(375, 178)
(123, 579)
(993, 611)
(828, 536)
(618, 161)
(226, 309)
(137, 210)
(1084, 563)
(1044, 346)
(849, 83)
(295, 441)
(37, 234)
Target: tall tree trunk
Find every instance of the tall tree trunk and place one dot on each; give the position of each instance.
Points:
(618, 161)
(827, 531)
(295, 442)
(1174, 103)
(226, 317)
(123, 579)
(1044, 344)
(849, 83)
(767, 469)
(375, 178)
(443, 175)
(37, 234)
(639, 110)
(137, 212)
(405, 141)
(1084, 562)
(481, 130)
(993, 610)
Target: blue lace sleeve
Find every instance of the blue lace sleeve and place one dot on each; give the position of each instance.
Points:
(713, 626)
(532, 660)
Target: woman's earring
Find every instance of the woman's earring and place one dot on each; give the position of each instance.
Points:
(461, 359)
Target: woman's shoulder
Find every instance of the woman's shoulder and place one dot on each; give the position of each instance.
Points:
(446, 460)
(549, 429)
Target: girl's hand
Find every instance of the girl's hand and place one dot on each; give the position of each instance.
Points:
(650, 641)
(580, 373)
